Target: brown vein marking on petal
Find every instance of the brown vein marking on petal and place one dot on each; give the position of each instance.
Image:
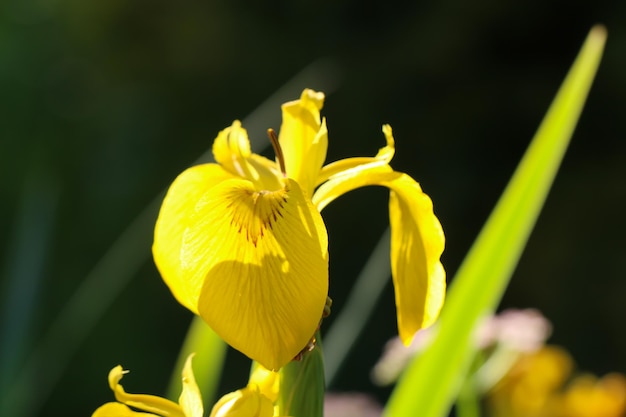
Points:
(255, 211)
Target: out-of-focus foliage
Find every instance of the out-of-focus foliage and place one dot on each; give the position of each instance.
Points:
(102, 103)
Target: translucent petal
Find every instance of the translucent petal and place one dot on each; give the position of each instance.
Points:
(263, 257)
(190, 398)
(184, 279)
(304, 139)
(417, 242)
(118, 410)
(231, 149)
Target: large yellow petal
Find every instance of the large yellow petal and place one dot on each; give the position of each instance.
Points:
(304, 139)
(264, 262)
(185, 276)
(417, 241)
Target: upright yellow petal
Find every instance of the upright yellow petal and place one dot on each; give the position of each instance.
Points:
(184, 276)
(304, 139)
(190, 398)
(263, 259)
(417, 241)
(231, 149)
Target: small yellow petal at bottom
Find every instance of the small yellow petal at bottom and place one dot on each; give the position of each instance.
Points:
(151, 403)
(190, 399)
(118, 410)
(245, 402)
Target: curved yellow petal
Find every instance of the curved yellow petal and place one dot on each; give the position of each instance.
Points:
(190, 398)
(183, 276)
(263, 258)
(384, 154)
(417, 242)
(245, 402)
(151, 403)
(118, 410)
(304, 139)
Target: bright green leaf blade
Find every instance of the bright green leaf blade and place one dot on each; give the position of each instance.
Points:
(431, 382)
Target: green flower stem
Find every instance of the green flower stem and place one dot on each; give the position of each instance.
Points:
(302, 385)
(432, 381)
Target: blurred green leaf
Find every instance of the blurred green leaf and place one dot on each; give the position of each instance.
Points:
(208, 361)
(433, 379)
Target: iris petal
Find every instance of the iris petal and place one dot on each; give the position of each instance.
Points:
(264, 263)
(304, 139)
(231, 149)
(151, 403)
(384, 154)
(417, 241)
(184, 277)
(246, 402)
(190, 398)
(118, 410)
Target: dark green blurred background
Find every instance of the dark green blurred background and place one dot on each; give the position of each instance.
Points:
(103, 103)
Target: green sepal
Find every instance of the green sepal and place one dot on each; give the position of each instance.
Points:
(302, 385)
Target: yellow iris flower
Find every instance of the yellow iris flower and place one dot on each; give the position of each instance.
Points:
(241, 242)
(189, 403)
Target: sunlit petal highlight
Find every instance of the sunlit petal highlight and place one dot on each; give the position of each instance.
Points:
(264, 264)
(183, 276)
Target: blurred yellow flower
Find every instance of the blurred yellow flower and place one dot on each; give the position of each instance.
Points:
(241, 242)
(588, 396)
(530, 387)
(536, 387)
(189, 403)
